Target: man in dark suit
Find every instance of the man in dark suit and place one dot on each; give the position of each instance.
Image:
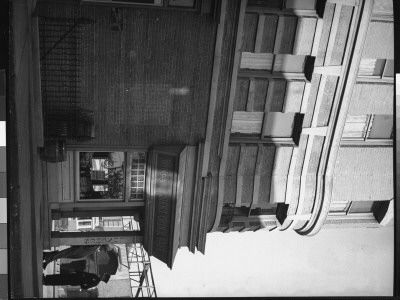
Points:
(84, 279)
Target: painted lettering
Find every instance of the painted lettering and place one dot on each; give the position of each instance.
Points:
(104, 240)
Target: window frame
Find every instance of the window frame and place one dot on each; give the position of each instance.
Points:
(366, 140)
(164, 4)
(260, 123)
(347, 210)
(379, 77)
(316, 11)
(127, 179)
(276, 62)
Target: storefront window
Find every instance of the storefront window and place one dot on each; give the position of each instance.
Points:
(102, 175)
(138, 175)
(112, 175)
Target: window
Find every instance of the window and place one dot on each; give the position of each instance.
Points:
(282, 127)
(339, 206)
(181, 3)
(140, 2)
(112, 175)
(352, 207)
(368, 127)
(360, 207)
(112, 223)
(247, 122)
(257, 61)
(388, 71)
(83, 223)
(286, 63)
(270, 127)
(299, 6)
(382, 127)
(86, 223)
(302, 4)
(277, 124)
(274, 4)
(376, 68)
(268, 65)
(138, 166)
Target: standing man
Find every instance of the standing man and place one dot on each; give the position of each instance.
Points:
(84, 279)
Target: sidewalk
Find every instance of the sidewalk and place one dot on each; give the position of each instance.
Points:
(25, 136)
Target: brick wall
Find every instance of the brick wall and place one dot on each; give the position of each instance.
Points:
(148, 84)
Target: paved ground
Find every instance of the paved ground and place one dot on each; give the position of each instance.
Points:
(25, 135)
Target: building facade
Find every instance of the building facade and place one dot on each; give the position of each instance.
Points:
(203, 116)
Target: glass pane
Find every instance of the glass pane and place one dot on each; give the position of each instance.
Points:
(356, 126)
(371, 67)
(287, 63)
(105, 223)
(300, 4)
(277, 4)
(361, 206)
(382, 127)
(389, 68)
(247, 122)
(339, 206)
(138, 165)
(256, 61)
(143, 2)
(101, 175)
(182, 3)
(278, 124)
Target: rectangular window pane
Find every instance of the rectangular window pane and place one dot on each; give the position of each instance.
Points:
(339, 206)
(138, 167)
(371, 67)
(382, 127)
(247, 122)
(356, 126)
(389, 68)
(143, 2)
(278, 124)
(287, 63)
(101, 175)
(300, 4)
(86, 223)
(273, 4)
(256, 61)
(181, 3)
(361, 207)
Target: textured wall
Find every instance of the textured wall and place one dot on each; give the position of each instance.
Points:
(363, 174)
(378, 45)
(371, 99)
